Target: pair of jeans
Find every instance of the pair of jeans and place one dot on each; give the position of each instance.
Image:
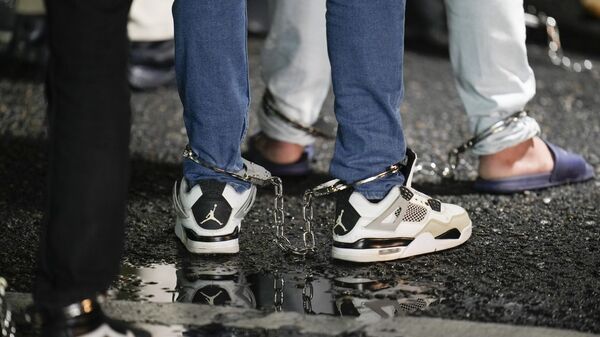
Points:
(487, 50)
(366, 45)
(89, 120)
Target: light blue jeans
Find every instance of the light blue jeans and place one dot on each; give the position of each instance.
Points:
(366, 47)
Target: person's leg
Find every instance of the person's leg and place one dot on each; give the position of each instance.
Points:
(366, 47)
(386, 219)
(489, 57)
(89, 120)
(297, 74)
(212, 75)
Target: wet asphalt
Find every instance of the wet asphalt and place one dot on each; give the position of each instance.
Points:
(533, 259)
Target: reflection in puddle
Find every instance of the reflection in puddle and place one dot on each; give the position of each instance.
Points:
(164, 330)
(211, 330)
(204, 281)
(156, 283)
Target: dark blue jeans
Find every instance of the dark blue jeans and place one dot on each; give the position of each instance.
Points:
(366, 47)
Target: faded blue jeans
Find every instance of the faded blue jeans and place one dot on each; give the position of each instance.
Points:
(365, 41)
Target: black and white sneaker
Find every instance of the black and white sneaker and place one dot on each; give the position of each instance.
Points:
(405, 223)
(85, 319)
(209, 215)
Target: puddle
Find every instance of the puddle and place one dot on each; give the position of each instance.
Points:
(211, 330)
(223, 283)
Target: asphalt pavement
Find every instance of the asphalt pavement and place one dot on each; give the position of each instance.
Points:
(533, 258)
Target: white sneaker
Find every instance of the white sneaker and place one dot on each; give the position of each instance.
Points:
(209, 216)
(405, 223)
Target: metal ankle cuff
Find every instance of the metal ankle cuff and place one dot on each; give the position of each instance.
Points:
(269, 108)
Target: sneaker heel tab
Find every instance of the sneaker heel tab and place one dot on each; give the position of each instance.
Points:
(407, 170)
(177, 189)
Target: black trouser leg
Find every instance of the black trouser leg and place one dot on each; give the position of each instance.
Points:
(89, 119)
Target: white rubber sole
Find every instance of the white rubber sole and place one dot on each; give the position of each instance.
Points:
(423, 244)
(198, 247)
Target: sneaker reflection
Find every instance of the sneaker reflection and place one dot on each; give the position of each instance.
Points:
(221, 282)
(214, 283)
(371, 300)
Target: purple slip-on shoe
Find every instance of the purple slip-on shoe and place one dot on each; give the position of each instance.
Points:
(298, 168)
(568, 168)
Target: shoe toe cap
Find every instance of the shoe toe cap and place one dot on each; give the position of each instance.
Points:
(452, 210)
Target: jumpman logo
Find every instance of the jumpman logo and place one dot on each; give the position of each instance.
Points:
(211, 216)
(211, 299)
(339, 223)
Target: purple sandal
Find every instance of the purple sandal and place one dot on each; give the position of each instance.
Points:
(568, 168)
(298, 168)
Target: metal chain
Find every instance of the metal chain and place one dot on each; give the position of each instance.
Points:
(307, 294)
(555, 50)
(445, 171)
(278, 285)
(257, 175)
(324, 189)
(448, 170)
(270, 109)
(7, 326)
(278, 292)
(308, 235)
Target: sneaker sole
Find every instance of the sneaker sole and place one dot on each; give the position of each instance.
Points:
(423, 244)
(204, 247)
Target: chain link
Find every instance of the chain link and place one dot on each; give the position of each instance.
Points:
(308, 235)
(257, 175)
(534, 19)
(454, 161)
(324, 189)
(7, 326)
(308, 294)
(278, 285)
(279, 292)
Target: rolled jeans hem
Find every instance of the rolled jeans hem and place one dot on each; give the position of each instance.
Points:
(379, 189)
(194, 172)
(375, 194)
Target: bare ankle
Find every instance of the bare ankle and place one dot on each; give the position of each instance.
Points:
(277, 151)
(529, 157)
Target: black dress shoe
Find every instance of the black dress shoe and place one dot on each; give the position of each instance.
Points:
(85, 319)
